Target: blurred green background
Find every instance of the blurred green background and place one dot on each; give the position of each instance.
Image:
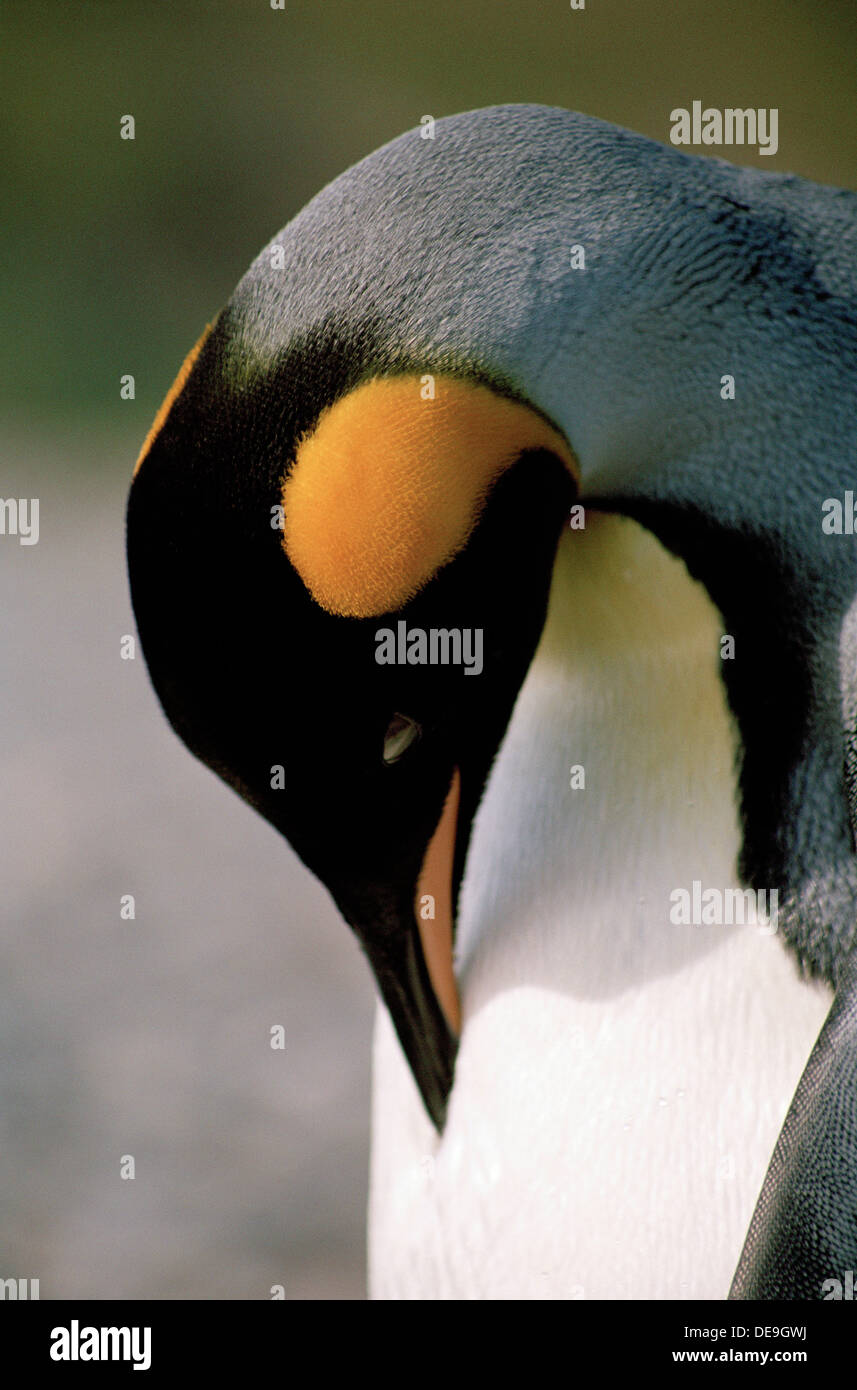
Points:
(151, 1037)
(117, 253)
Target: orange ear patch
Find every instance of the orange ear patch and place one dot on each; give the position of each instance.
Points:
(389, 485)
(169, 399)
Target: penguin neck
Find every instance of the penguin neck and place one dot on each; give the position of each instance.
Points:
(616, 782)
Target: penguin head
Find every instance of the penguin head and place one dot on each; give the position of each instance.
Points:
(340, 568)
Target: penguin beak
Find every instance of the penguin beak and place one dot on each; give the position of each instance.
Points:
(433, 907)
(409, 941)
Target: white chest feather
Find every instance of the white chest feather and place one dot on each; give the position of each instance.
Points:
(621, 1079)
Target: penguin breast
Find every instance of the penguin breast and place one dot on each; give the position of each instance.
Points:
(621, 1077)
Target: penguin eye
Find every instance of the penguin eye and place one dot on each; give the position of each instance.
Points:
(401, 733)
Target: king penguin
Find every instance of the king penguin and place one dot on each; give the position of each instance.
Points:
(496, 543)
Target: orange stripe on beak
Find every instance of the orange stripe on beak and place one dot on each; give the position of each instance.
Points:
(435, 882)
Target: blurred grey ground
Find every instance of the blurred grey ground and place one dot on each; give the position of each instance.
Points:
(152, 1037)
